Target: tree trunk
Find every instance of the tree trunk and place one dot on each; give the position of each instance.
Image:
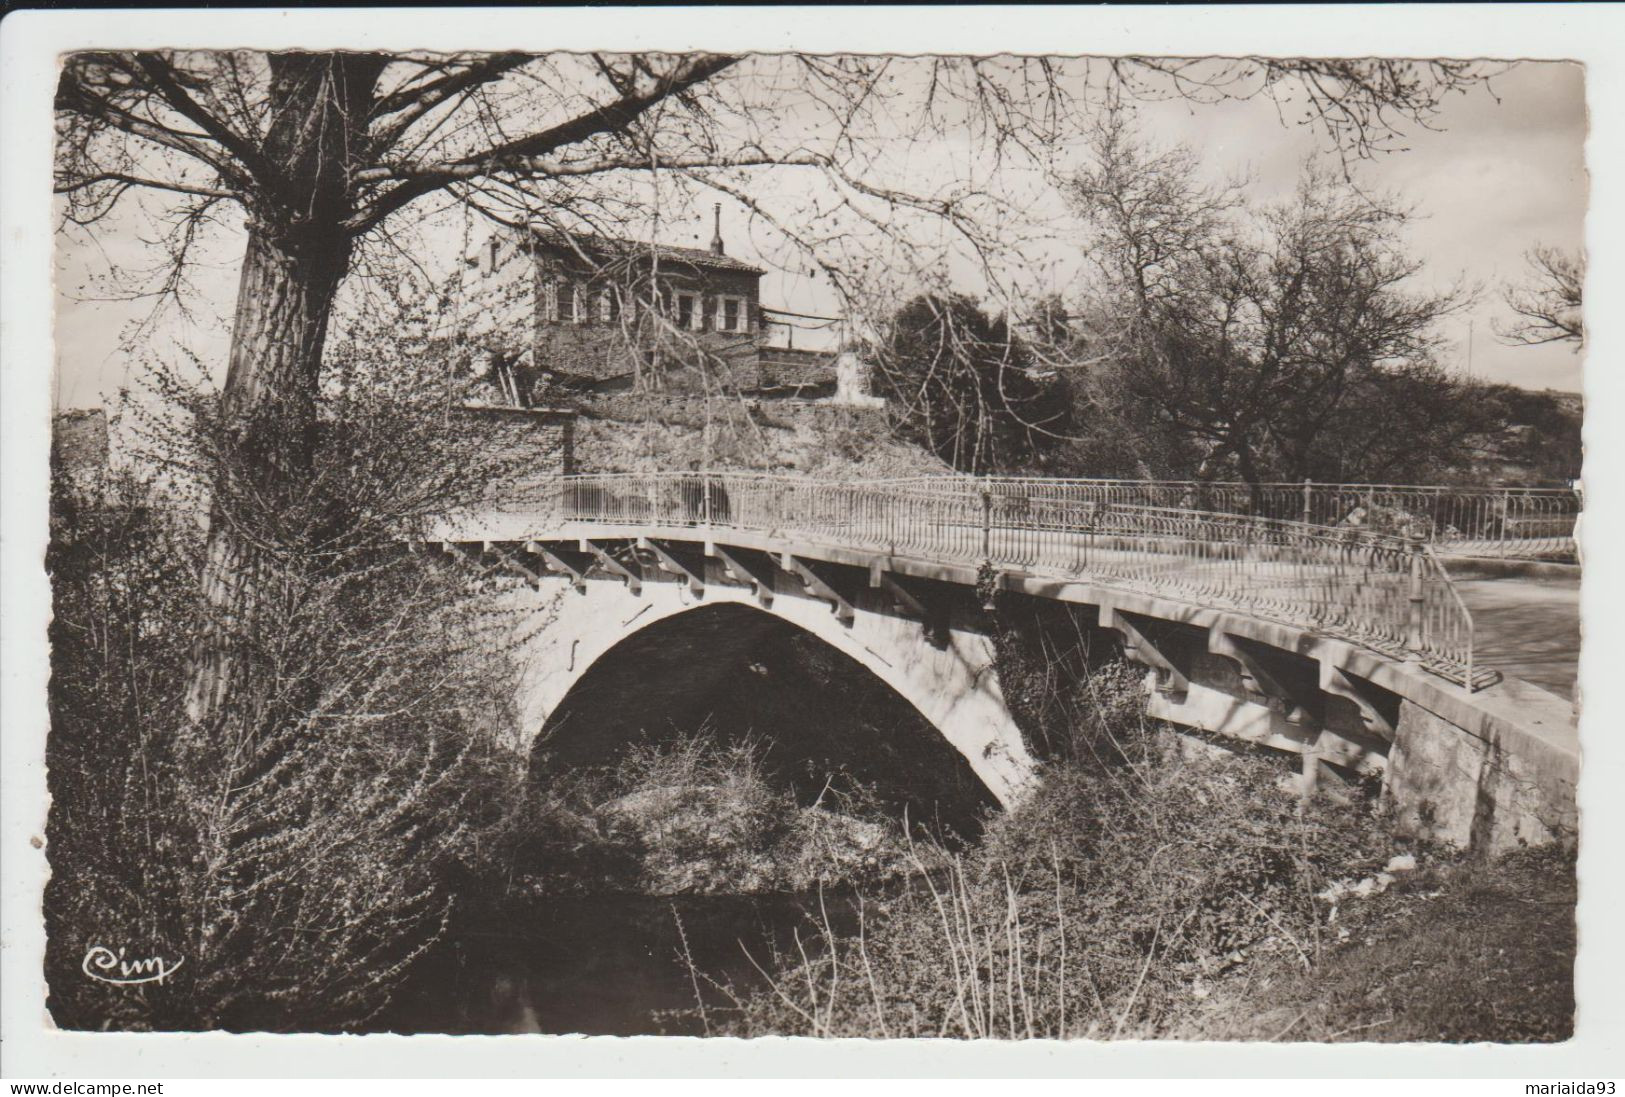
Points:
(1249, 472)
(264, 447)
(297, 254)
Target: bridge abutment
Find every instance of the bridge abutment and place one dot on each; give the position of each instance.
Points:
(1490, 790)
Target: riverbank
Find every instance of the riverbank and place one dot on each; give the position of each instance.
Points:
(1141, 891)
(1152, 898)
(1458, 952)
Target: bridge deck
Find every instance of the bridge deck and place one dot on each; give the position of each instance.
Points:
(1274, 590)
(1528, 628)
(1499, 706)
(1384, 592)
(1350, 606)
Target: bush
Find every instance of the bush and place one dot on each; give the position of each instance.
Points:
(124, 599)
(296, 854)
(699, 817)
(1125, 879)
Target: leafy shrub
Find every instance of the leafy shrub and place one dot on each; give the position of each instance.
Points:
(699, 816)
(124, 582)
(696, 815)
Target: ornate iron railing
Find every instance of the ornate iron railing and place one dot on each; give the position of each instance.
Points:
(1501, 522)
(1382, 591)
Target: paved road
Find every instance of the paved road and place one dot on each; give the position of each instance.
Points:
(1528, 628)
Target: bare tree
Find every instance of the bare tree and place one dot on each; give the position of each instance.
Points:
(325, 154)
(1548, 301)
(1254, 333)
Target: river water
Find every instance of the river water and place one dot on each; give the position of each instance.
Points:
(609, 965)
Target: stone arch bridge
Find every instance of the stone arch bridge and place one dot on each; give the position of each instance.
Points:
(1348, 648)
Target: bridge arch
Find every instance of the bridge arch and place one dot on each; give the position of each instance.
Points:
(951, 685)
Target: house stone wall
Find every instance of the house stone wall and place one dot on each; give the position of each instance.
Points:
(537, 307)
(543, 440)
(576, 341)
(646, 432)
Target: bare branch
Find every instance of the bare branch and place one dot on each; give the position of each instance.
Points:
(511, 156)
(137, 181)
(411, 104)
(74, 97)
(163, 78)
(1549, 301)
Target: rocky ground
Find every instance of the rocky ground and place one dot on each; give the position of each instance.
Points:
(702, 841)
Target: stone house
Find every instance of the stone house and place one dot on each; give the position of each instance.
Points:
(558, 317)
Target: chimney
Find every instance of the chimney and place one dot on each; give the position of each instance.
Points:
(716, 233)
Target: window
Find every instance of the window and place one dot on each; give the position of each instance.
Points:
(731, 314)
(550, 302)
(608, 307)
(688, 312)
(569, 304)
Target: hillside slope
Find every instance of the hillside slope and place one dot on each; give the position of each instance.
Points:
(633, 432)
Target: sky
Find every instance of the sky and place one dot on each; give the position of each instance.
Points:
(1502, 170)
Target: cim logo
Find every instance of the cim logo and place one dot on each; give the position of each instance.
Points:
(104, 965)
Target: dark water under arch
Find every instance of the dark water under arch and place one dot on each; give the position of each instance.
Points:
(617, 964)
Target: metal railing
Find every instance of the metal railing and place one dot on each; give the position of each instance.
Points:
(1382, 591)
(1498, 522)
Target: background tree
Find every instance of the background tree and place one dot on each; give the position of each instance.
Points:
(1251, 341)
(1412, 423)
(1535, 431)
(962, 385)
(1548, 301)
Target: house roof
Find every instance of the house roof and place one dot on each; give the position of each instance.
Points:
(594, 244)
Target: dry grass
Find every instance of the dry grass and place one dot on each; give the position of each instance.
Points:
(1141, 893)
(1091, 912)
